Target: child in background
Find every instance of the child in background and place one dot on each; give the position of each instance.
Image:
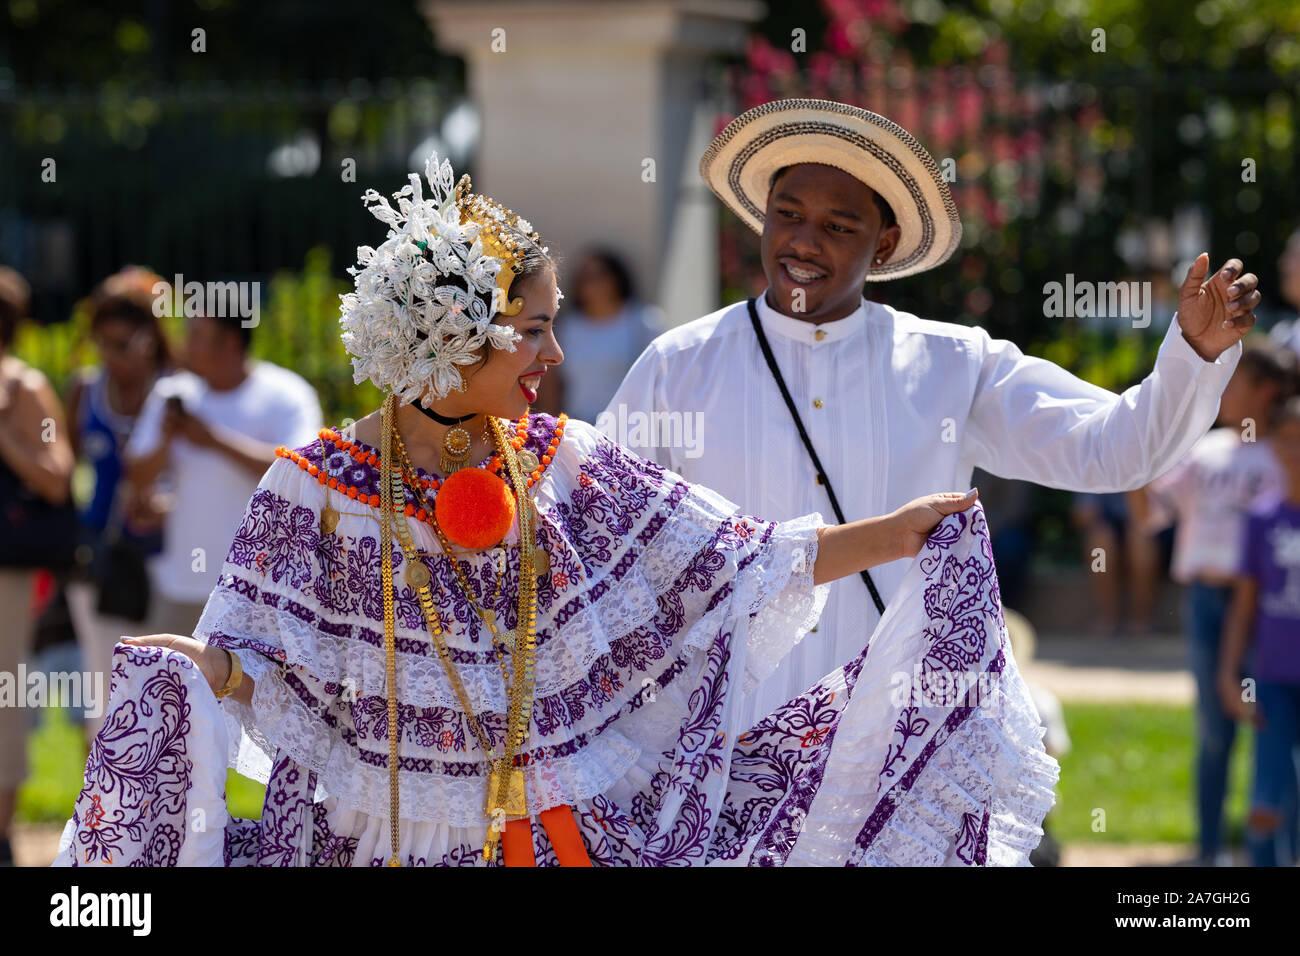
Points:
(1208, 493)
(1263, 633)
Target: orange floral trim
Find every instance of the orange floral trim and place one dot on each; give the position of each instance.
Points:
(430, 484)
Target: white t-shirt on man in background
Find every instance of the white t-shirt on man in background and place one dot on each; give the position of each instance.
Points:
(272, 405)
(1208, 494)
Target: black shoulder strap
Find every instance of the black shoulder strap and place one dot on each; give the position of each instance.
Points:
(807, 442)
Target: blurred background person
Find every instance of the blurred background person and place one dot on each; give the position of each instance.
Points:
(214, 426)
(1287, 331)
(37, 525)
(1208, 494)
(1110, 529)
(1125, 593)
(120, 527)
(1101, 520)
(1262, 641)
(602, 334)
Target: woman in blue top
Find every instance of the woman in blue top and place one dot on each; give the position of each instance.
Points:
(102, 407)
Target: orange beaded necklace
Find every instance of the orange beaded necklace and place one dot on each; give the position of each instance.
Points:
(364, 455)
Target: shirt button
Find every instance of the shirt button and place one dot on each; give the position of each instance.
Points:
(817, 403)
(814, 630)
(819, 334)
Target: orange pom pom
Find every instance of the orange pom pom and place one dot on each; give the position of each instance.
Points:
(475, 508)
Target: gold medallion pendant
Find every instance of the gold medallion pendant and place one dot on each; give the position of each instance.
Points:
(455, 450)
(329, 520)
(541, 562)
(416, 574)
(528, 461)
(516, 803)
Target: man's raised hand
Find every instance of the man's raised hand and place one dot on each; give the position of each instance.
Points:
(1215, 313)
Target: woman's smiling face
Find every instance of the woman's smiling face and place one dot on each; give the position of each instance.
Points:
(505, 383)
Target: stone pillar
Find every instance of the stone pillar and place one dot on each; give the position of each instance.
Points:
(580, 102)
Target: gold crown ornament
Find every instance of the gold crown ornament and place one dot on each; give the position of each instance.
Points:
(500, 231)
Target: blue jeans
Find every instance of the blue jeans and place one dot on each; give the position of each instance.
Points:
(1270, 832)
(1204, 608)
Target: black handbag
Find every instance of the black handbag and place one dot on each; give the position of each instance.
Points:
(33, 532)
(120, 572)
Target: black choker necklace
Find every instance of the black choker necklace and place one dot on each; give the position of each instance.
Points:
(442, 419)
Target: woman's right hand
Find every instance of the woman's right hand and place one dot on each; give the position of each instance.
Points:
(214, 662)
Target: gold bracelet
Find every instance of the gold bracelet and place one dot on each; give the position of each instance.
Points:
(236, 675)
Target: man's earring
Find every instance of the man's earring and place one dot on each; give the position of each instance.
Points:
(877, 260)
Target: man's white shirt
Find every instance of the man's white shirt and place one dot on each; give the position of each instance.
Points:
(273, 405)
(896, 406)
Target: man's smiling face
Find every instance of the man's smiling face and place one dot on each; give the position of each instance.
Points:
(821, 232)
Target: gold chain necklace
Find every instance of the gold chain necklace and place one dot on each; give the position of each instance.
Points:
(487, 614)
(506, 796)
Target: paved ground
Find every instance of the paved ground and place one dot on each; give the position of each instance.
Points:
(1085, 668)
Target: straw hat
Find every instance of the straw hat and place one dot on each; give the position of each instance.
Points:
(739, 163)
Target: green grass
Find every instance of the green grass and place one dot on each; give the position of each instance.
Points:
(1134, 761)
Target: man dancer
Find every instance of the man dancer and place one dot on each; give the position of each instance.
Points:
(894, 405)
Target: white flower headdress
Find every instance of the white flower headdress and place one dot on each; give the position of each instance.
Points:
(403, 330)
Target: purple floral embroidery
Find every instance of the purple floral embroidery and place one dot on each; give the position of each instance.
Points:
(138, 765)
(336, 462)
(686, 839)
(964, 633)
(288, 797)
(330, 588)
(254, 529)
(290, 558)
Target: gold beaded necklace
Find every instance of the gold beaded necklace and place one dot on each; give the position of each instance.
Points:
(506, 797)
(487, 614)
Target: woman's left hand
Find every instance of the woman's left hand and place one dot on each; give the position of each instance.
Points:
(916, 519)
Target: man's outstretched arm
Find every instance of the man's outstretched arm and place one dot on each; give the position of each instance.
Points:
(1032, 420)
